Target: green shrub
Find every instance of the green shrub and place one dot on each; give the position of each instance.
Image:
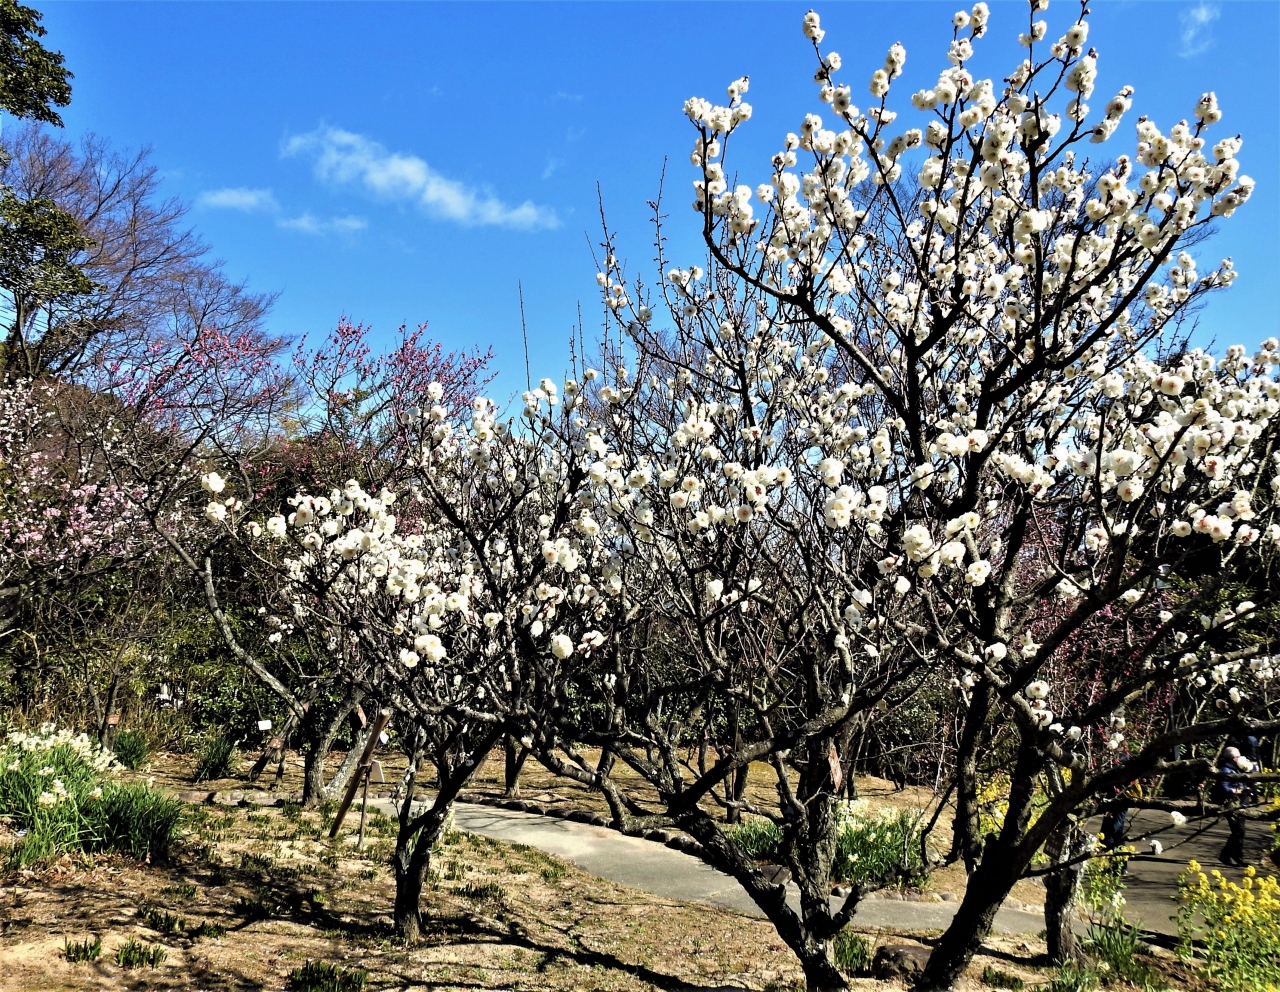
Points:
(82, 950)
(758, 839)
(162, 920)
(482, 891)
(217, 758)
(135, 954)
(876, 845)
(1073, 977)
(132, 748)
(871, 845)
(852, 953)
(51, 786)
(319, 976)
(136, 820)
(1119, 958)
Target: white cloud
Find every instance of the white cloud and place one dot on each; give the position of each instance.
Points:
(308, 223)
(553, 166)
(1196, 37)
(343, 157)
(239, 198)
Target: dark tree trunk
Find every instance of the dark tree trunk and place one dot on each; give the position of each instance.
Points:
(412, 860)
(107, 734)
(988, 887)
(418, 834)
(270, 754)
(515, 758)
(966, 844)
(1062, 888)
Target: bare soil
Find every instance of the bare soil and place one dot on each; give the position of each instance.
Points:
(250, 894)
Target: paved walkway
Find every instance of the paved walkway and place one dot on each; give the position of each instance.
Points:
(673, 874)
(1151, 883)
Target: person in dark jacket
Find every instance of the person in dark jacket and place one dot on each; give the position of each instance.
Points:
(1232, 793)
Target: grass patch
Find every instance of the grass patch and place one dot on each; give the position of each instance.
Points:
(53, 786)
(133, 953)
(82, 950)
(132, 748)
(320, 976)
(994, 978)
(852, 953)
(217, 758)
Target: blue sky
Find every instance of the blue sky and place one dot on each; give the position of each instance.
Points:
(409, 162)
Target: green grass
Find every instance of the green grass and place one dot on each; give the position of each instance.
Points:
(994, 978)
(135, 954)
(852, 953)
(320, 976)
(217, 758)
(82, 950)
(870, 847)
(132, 748)
(53, 787)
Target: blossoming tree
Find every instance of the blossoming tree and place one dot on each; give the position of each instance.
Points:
(1011, 412)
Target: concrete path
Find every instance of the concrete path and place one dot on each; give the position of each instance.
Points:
(1151, 883)
(672, 874)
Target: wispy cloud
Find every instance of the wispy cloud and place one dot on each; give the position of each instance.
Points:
(553, 166)
(343, 157)
(308, 223)
(562, 96)
(1196, 36)
(239, 198)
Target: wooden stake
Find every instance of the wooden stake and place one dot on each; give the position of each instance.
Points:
(379, 725)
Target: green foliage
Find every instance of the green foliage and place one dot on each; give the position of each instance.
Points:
(51, 786)
(33, 79)
(132, 748)
(1119, 958)
(162, 920)
(482, 891)
(1104, 884)
(852, 953)
(135, 820)
(82, 950)
(994, 978)
(875, 846)
(207, 929)
(871, 845)
(1073, 977)
(758, 839)
(39, 243)
(217, 758)
(320, 976)
(135, 954)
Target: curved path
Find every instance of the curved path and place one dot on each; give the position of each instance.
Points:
(673, 874)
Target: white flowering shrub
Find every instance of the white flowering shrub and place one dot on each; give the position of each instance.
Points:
(56, 788)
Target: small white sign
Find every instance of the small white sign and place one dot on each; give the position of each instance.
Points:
(264, 724)
(375, 772)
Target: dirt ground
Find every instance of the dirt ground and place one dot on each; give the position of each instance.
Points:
(539, 785)
(250, 894)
